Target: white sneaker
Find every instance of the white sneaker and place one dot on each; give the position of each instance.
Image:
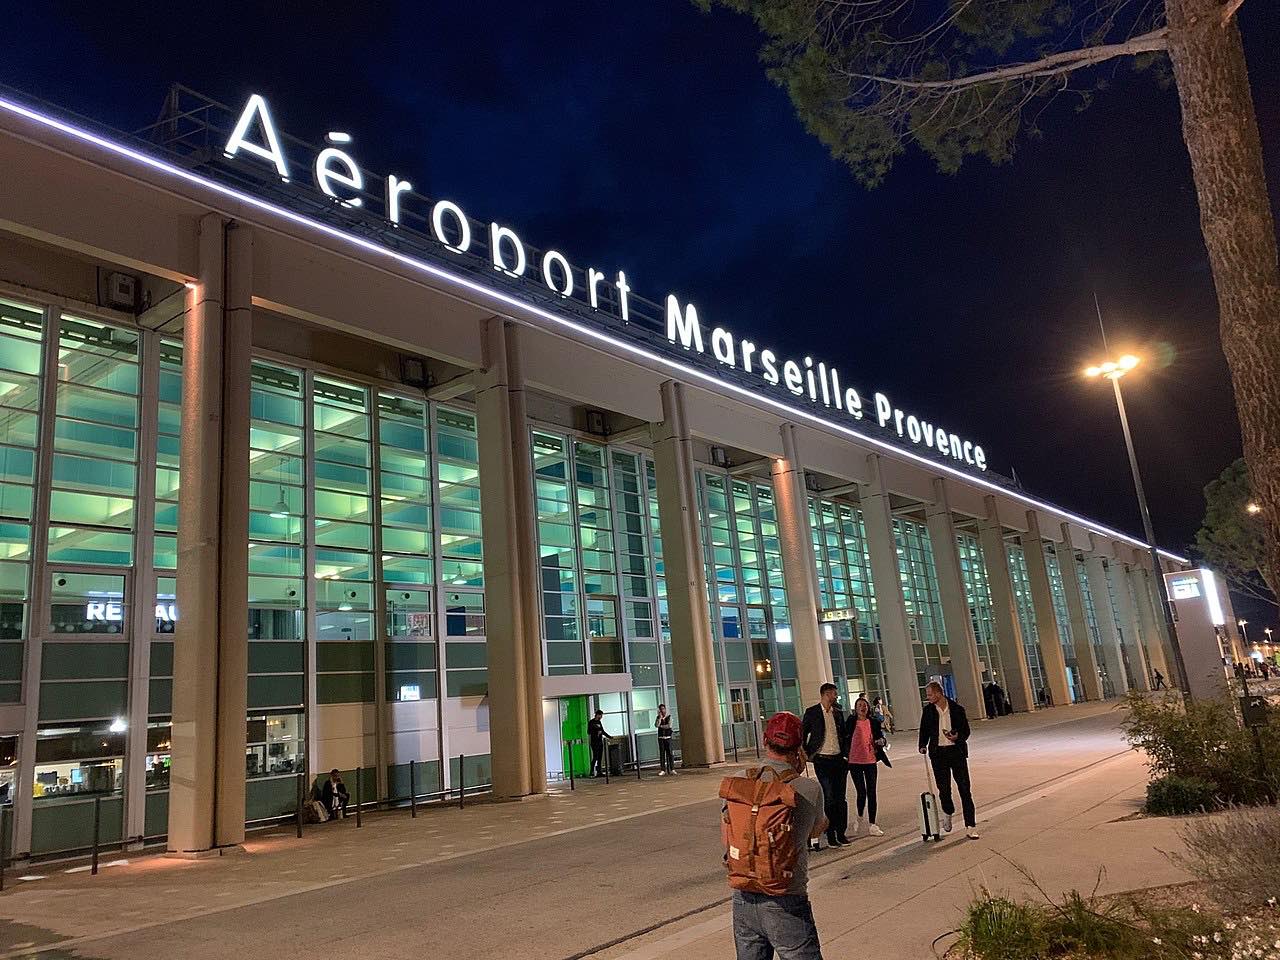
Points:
(662, 773)
(874, 831)
(946, 823)
(972, 834)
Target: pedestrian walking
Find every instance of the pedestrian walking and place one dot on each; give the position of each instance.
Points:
(1159, 678)
(769, 815)
(881, 710)
(824, 728)
(866, 749)
(944, 736)
(598, 737)
(666, 760)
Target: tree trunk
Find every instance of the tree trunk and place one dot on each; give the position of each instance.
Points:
(1221, 133)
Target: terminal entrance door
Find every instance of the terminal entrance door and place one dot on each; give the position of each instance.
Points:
(564, 725)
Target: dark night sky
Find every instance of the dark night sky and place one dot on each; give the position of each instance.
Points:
(645, 136)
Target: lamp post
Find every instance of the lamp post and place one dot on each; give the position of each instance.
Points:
(1244, 634)
(1113, 370)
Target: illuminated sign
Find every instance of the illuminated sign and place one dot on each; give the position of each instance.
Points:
(1184, 588)
(336, 174)
(834, 616)
(112, 611)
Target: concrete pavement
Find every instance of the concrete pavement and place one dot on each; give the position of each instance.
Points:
(610, 871)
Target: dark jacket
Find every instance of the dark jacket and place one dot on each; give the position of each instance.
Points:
(664, 727)
(814, 729)
(929, 735)
(328, 791)
(877, 737)
(596, 731)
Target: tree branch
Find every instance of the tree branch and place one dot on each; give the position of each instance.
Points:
(1057, 63)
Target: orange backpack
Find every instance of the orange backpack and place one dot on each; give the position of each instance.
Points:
(763, 848)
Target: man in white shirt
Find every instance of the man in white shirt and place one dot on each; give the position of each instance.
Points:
(825, 742)
(944, 736)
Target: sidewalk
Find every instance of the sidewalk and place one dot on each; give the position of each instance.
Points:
(896, 900)
(478, 880)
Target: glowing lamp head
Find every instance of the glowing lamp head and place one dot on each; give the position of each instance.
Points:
(1113, 369)
(1252, 508)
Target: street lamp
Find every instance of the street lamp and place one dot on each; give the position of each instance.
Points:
(1244, 635)
(1113, 370)
(1252, 508)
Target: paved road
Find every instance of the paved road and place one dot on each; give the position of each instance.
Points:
(559, 896)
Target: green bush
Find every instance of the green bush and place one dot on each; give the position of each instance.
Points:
(1173, 796)
(1204, 740)
(997, 928)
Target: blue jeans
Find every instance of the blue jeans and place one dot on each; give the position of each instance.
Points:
(762, 925)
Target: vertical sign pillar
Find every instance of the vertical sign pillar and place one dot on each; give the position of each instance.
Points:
(956, 617)
(1004, 611)
(1055, 664)
(891, 607)
(504, 596)
(210, 668)
(1081, 638)
(1149, 605)
(813, 655)
(697, 700)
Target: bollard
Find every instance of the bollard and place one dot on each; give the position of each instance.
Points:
(606, 761)
(569, 755)
(635, 752)
(301, 793)
(462, 780)
(413, 792)
(359, 795)
(97, 831)
(733, 737)
(755, 736)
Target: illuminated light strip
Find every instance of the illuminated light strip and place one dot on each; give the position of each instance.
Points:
(520, 305)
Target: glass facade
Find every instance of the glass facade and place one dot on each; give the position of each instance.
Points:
(846, 597)
(1063, 616)
(977, 589)
(1027, 622)
(366, 585)
(924, 609)
(1106, 681)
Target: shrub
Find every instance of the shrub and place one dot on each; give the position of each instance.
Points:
(1236, 855)
(1172, 795)
(1203, 740)
(997, 928)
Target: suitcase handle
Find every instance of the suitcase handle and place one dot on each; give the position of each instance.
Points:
(928, 774)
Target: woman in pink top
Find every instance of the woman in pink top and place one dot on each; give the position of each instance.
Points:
(866, 749)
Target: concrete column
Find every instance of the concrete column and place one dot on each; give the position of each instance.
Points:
(891, 609)
(210, 664)
(1152, 629)
(1004, 611)
(505, 595)
(1111, 660)
(1055, 664)
(697, 701)
(1081, 638)
(1147, 595)
(1131, 625)
(813, 655)
(527, 544)
(956, 616)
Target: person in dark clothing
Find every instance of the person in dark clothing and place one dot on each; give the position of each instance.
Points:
(944, 736)
(1159, 677)
(825, 744)
(865, 737)
(334, 795)
(666, 759)
(599, 738)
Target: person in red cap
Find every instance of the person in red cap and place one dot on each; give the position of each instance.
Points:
(763, 924)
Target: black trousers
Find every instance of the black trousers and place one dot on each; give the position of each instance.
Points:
(597, 758)
(831, 772)
(864, 782)
(666, 758)
(950, 763)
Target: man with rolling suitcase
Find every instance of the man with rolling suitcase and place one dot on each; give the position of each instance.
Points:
(944, 738)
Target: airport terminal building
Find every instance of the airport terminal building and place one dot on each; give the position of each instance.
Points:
(303, 469)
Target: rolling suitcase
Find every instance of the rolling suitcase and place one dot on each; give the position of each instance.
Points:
(930, 809)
